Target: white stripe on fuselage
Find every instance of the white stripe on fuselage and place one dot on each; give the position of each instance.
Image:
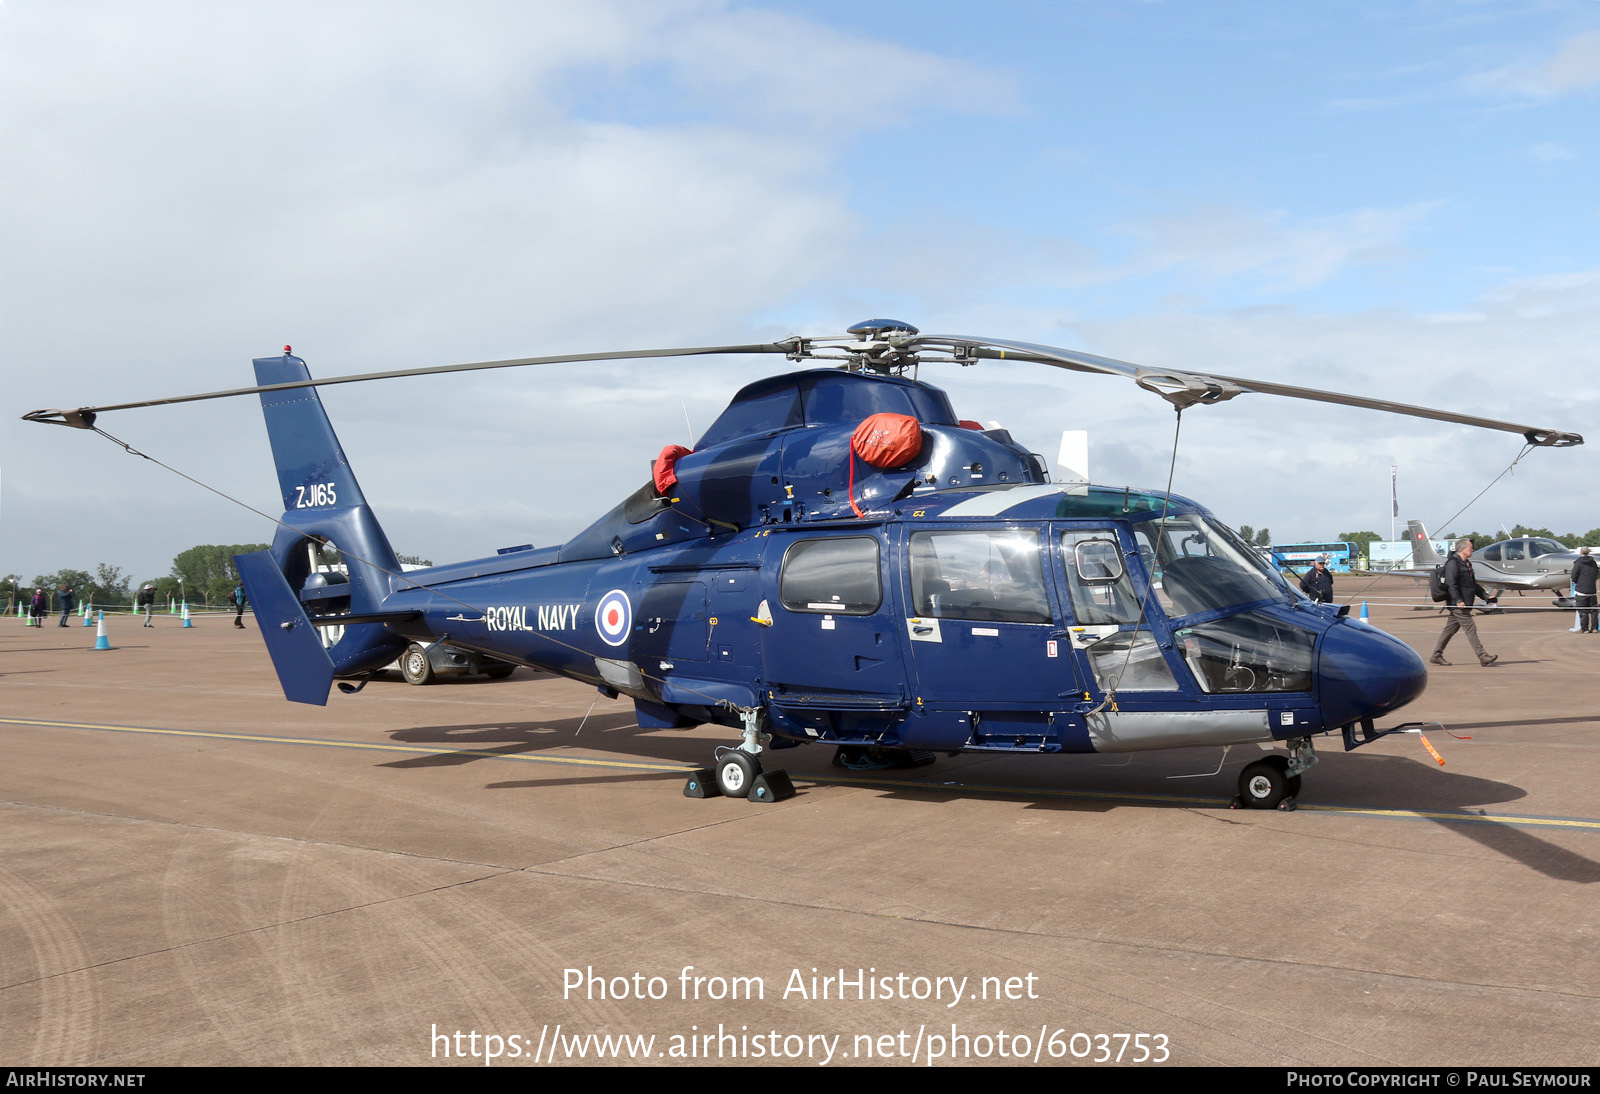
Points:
(992, 503)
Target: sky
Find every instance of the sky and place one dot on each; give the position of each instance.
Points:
(1397, 199)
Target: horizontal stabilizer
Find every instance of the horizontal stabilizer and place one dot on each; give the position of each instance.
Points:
(304, 668)
(350, 619)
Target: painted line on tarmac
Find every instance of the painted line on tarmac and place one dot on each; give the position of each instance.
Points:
(1511, 819)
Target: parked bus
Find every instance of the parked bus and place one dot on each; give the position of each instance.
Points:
(1341, 555)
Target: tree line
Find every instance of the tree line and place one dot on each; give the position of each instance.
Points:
(204, 574)
(1591, 538)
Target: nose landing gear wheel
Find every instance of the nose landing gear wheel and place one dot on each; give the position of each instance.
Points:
(1267, 784)
(735, 772)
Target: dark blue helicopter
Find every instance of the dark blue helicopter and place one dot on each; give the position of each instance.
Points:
(842, 560)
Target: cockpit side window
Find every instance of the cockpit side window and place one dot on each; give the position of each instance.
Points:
(1097, 579)
(990, 575)
(1514, 551)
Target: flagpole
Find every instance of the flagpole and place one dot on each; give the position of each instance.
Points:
(1394, 502)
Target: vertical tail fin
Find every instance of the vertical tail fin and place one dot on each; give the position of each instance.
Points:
(312, 469)
(323, 505)
(1422, 552)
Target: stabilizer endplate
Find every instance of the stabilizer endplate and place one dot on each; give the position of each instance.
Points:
(304, 668)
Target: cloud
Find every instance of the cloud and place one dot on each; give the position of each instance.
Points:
(773, 69)
(1549, 295)
(1280, 252)
(1574, 67)
(1308, 470)
(383, 185)
(1550, 152)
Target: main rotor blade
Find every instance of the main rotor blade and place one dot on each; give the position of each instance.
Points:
(1180, 387)
(83, 417)
(1192, 387)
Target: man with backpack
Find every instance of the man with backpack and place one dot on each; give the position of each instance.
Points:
(1460, 589)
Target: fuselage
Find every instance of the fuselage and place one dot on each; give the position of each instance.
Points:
(1533, 562)
(937, 593)
(1014, 617)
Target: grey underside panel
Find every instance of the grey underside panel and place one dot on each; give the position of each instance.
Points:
(624, 676)
(1132, 732)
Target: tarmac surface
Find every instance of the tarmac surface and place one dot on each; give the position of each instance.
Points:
(195, 871)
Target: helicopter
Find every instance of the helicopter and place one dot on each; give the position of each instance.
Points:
(842, 560)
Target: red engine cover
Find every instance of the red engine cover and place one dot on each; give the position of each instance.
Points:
(665, 476)
(887, 440)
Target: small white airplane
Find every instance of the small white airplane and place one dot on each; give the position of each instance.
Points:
(1523, 564)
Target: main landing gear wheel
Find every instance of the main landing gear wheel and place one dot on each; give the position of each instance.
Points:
(1267, 784)
(415, 666)
(735, 772)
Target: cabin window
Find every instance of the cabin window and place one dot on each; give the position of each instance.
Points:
(991, 575)
(1491, 554)
(1514, 551)
(837, 576)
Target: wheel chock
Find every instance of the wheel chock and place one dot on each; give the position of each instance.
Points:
(771, 786)
(702, 784)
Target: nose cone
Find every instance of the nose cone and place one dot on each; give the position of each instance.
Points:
(1363, 672)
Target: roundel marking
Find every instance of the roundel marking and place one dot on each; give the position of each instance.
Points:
(613, 617)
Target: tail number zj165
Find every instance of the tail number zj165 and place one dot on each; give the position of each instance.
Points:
(319, 493)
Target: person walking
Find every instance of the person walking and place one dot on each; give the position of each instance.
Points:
(1584, 573)
(1461, 587)
(238, 601)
